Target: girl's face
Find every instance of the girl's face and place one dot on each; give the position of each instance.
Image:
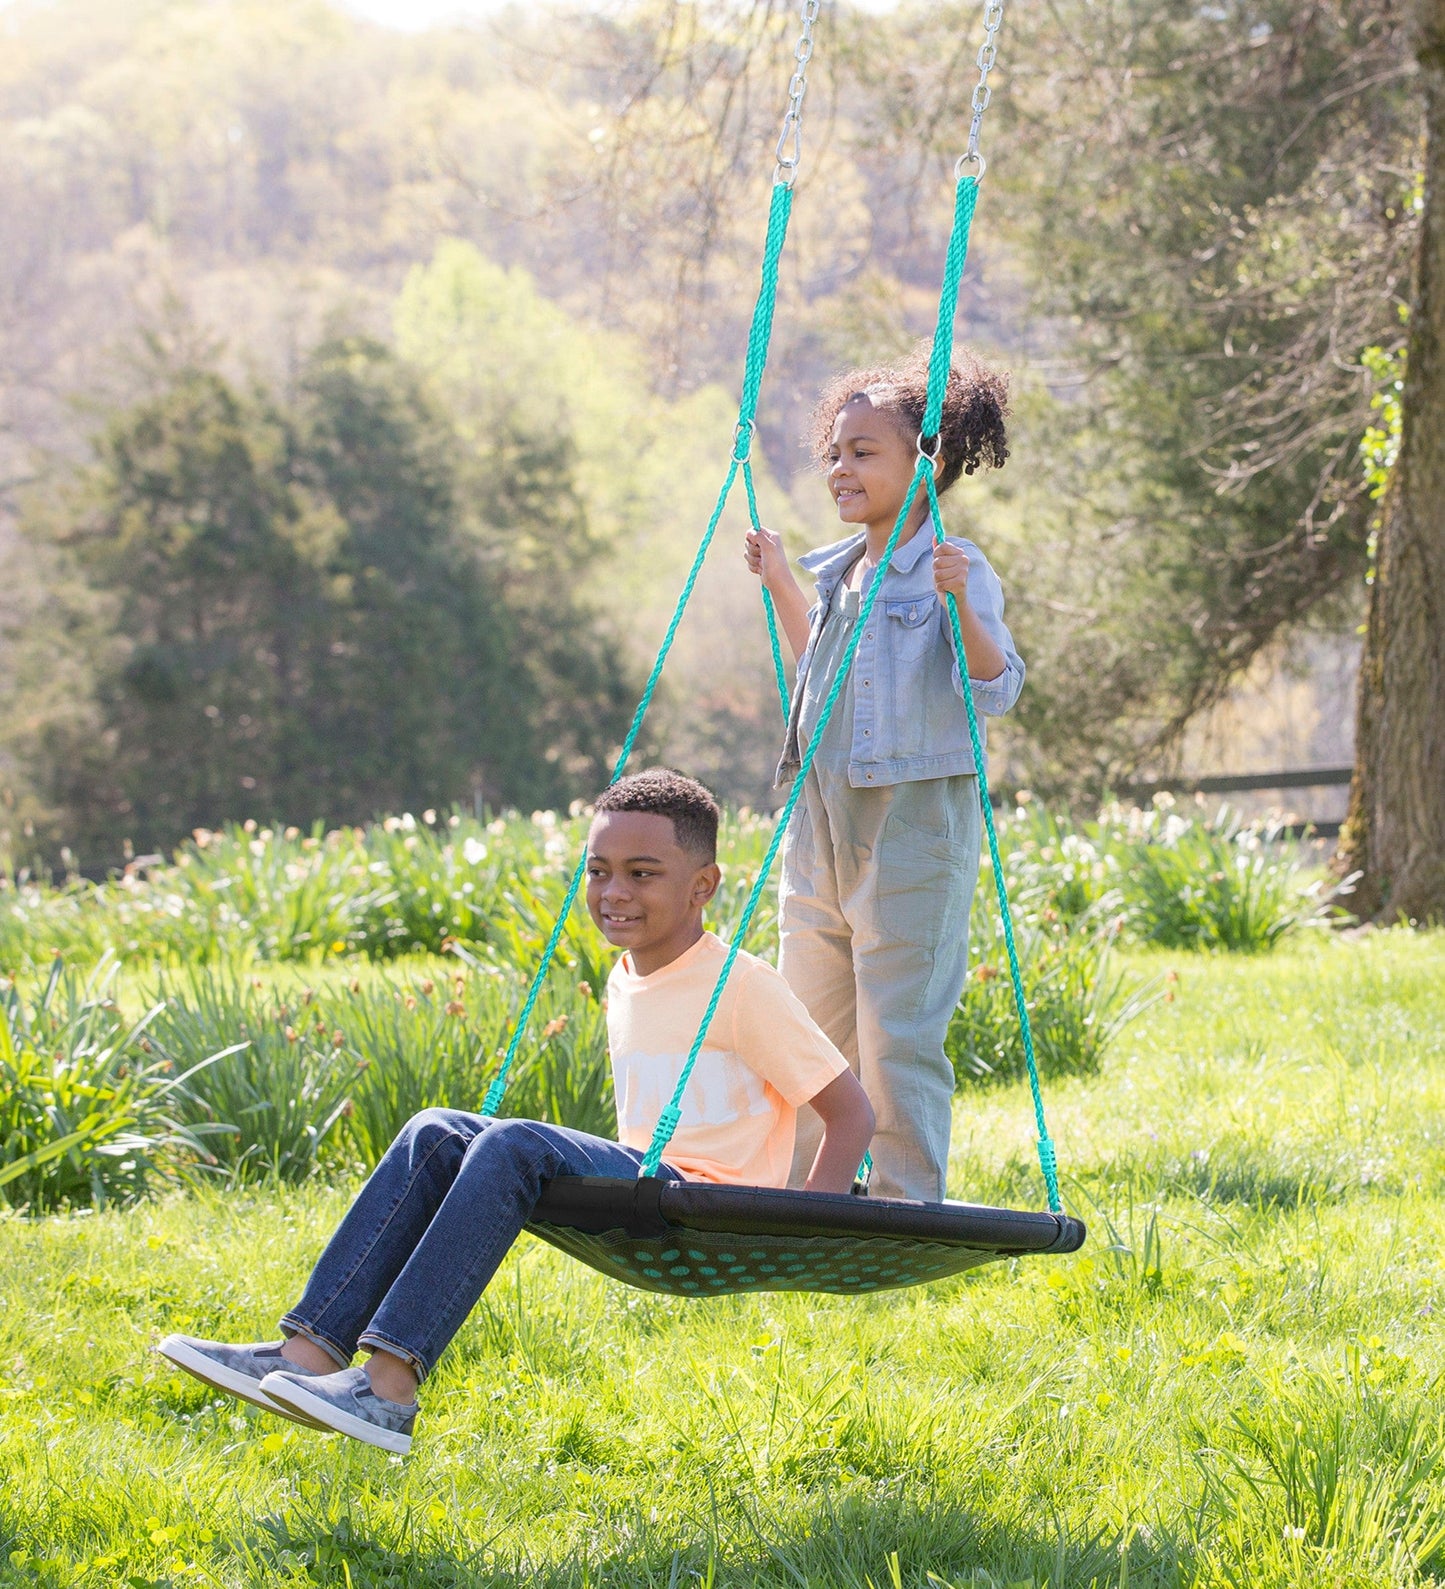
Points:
(871, 465)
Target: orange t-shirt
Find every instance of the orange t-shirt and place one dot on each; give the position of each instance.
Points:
(763, 1056)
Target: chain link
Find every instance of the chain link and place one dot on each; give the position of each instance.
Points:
(790, 140)
(987, 55)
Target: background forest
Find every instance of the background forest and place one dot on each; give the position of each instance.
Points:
(363, 396)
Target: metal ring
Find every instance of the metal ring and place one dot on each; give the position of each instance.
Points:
(932, 457)
(971, 157)
(750, 428)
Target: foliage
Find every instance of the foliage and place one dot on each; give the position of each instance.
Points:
(306, 619)
(400, 886)
(1178, 879)
(92, 1108)
(437, 1045)
(1380, 445)
(1221, 885)
(1185, 191)
(1078, 998)
(274, 1103)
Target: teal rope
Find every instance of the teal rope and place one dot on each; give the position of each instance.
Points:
(761, 331)
(965, 200)
(754, 364)
(1047, 1160)
(769, 612)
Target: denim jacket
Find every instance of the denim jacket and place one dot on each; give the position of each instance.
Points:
(909, 717)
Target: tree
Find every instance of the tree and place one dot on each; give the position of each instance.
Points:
(212, 560)
(291, 613)
(1198, 204)
(1395, 833)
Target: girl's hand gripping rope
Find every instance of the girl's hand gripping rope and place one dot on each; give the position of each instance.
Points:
(950, 572)
(765, 556)
(763, 551)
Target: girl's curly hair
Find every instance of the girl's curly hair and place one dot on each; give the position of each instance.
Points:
(975, 403)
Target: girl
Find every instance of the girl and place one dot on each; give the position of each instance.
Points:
(881, 858)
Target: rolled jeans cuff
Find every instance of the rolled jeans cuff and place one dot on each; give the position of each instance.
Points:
(291, 1325)
(384, 1343)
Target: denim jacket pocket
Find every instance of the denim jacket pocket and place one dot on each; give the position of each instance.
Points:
(909, 621)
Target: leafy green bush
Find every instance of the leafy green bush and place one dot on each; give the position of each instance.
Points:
(91, 1108)
(397, 887)
(1078, 1001)
(1180, 880)
(404, 885)
(439, 1046)
(1053, 863)
(1219, 885)
(331, 1074)
(273, 1103)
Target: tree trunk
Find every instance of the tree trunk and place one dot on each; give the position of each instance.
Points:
(1395, 832)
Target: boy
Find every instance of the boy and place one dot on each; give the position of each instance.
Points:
(452, 1193)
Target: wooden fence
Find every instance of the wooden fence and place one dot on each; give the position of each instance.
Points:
(1242, 783)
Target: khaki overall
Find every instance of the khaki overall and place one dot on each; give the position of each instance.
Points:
(874, 904)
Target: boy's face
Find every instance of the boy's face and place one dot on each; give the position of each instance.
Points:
(870, 464)
(644, 890)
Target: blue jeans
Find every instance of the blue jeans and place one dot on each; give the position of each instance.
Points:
(431, 1226)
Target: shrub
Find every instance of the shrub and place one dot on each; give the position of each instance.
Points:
(398, 887)
(1077, 1001)
(1219, 885)
(91, 1108)
(332, 1074)
(440, 1046)
(273, 1102)
(404, 885)
(1053, 863)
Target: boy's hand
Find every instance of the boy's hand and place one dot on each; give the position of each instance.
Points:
(950, 571)
(765, 556)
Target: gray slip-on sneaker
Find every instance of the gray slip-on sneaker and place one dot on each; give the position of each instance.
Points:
(237, 1369)
(346, 1403)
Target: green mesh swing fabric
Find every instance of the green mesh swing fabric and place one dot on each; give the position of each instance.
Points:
(691, 1239)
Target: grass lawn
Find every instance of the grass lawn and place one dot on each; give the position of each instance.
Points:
(1235, 1383)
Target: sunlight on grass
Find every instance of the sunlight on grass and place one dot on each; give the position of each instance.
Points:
(1235, 1383)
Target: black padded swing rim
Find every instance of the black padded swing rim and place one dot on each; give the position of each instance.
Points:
(649, 1207)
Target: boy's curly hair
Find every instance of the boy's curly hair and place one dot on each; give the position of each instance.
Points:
(662, 792)
(975, 403)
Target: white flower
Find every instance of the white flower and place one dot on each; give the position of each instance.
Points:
(474, 852)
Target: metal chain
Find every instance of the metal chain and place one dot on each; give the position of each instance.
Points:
(790, 140)
(982, 93)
